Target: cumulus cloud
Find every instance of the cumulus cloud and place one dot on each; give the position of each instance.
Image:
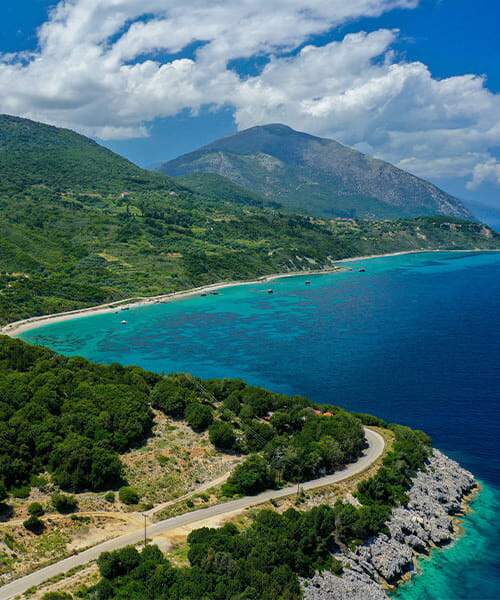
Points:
(108, 67)
(487, 171)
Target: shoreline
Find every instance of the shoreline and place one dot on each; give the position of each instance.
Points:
(18, 327)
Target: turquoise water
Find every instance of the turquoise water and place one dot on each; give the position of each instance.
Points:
(467, 568)
(413, 339)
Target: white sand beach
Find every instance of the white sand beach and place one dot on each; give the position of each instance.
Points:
(17, 327)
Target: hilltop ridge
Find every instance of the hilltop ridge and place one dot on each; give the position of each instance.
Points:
(316, 175)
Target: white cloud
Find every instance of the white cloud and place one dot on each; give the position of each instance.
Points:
(96, 71)
(487, 171)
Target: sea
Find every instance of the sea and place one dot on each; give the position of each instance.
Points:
(412, 338)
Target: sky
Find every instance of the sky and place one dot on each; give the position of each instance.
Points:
(414, 82)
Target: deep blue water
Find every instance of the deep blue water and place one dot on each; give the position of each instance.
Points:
(413, 339)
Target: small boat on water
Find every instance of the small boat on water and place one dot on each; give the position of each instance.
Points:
(270, 291)
(361, 270)
(308, 282)
(124, 322)
(214, 293)
(203, 294)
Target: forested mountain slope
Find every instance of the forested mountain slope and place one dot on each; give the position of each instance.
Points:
(69, 238)
(316, 175)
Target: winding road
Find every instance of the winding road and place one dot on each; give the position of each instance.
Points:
(375, 449)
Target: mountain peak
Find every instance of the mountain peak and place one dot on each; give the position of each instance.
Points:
(316, 175)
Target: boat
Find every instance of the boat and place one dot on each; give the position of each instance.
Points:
(270, 291)
(124, 322)
(214, 293)
(361, 270)
(308, 282)
(203, 294)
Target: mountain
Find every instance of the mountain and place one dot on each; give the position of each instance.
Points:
(69, 238)
(316, 175)
(35, 154)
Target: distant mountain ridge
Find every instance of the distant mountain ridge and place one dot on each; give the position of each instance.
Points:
(316, 175)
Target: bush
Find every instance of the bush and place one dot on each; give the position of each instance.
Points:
(57, 596)
(64, 503)
(34, 524)
(21, 492)
(250, 477)
(170, 396)
(36, 509)
(222, 435)
(128, 495)
(198, 416)
(3, 492)
(109, 497)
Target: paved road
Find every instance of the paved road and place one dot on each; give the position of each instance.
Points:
(372, 453)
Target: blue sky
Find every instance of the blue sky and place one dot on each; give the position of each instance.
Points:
(415, 82)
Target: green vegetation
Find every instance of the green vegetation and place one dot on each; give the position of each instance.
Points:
(57, 596)
(36, 509)
(265, 559)
(69, 240)
(67, 415)
(34, 524)
(128, 495)
(63, 503)
(312, 175)
(261, 562)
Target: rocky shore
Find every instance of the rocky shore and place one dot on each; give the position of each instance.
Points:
(437, 495)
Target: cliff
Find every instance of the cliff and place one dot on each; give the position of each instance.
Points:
(436, 496)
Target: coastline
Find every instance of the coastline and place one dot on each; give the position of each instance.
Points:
(430, 521)
(17, 327)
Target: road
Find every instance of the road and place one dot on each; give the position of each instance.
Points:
(375, 449)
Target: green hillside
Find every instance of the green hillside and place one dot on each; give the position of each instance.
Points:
(315, 175)
(68, 239)
(34, 154)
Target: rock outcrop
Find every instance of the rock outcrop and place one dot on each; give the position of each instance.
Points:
(435, 497)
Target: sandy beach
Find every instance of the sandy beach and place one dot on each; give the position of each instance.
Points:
(18, 327)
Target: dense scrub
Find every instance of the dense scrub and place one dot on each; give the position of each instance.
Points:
(67, 415)
(261, 562)
(288, 439)
(265, 560)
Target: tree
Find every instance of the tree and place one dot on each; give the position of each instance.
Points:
(250, 477)
(198, 416)
(222, 435)
(3, 492)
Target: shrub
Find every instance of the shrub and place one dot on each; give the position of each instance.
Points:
(222, 435)
(198, 416)
(57, 596)
(128, 495)
(34, 524)
(21, 492)
(3, 492)
(64, 503)
(36, 509)
(109, 497)
(249, 477)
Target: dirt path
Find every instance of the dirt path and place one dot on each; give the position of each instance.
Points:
(376, 445)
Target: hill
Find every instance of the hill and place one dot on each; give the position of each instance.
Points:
(316, 175)
(35, 154)
(68, 238)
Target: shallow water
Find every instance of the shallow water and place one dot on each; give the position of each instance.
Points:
(413, 339)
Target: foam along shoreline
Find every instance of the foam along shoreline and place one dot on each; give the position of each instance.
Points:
(17, 327)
